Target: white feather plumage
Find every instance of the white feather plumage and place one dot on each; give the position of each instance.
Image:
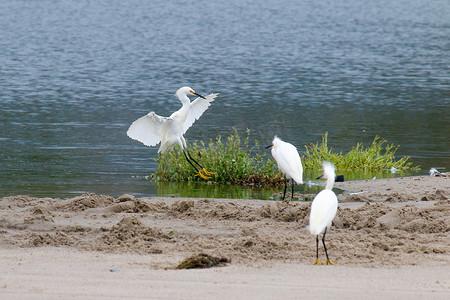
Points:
(324, 205)
(152, 129)
(288, 160)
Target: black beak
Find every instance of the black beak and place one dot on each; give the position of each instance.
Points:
(337, 178)
(270, 146)
(199, 95)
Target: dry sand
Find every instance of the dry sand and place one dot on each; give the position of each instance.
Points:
(390, 239)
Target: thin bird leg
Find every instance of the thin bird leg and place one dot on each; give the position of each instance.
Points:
(317, 262)
(285, 187)
(328, 261)
(190, 161)
(199, 173)
(292, 196)
(189, 153)
(202, 168)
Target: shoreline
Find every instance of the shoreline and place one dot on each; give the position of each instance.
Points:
(383, 228)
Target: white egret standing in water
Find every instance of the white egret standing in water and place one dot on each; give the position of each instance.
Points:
(288, 161)
(152, 129)
(323, 211)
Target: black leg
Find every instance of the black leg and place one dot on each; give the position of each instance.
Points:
(317, 247)
(328, 261)
(323, 242)
(201, 167)
(292, 196)
(285, 187)
(317, 262)
(202, 173)
(187, 158)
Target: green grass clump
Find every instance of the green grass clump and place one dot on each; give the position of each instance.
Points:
(233, 162)
(378, 156)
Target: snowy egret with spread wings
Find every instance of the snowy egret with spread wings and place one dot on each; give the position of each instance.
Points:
(152, 129)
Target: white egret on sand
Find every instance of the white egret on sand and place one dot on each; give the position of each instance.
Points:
(152, 129)
(288, 161)
(323, 211)
(435, 172)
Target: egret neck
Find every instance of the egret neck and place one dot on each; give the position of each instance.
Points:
(330, 183)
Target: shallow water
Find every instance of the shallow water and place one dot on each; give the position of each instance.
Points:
(75, 74)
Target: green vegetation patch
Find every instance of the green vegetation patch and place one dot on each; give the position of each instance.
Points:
(378, 156)
(234, 161)
(238, 162)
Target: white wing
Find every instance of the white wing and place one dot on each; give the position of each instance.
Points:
(198, 107)
(147, 129)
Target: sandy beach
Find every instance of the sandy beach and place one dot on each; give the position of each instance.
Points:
(390, 239)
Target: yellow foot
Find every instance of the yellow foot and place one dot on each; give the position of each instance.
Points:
(328, 262)
(202, 175)
(207, 172)
(317, 262)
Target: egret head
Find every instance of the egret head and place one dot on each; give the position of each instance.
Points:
(276, 141)
(328, 170)
(187, 91)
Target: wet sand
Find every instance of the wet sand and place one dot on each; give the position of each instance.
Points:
(390, 238)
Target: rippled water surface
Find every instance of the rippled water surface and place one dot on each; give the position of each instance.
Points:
(75, 74)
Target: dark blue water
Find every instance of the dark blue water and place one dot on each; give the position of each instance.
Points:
(75, 74)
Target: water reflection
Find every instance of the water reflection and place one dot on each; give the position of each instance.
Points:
(310, 187)
(205, 190)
